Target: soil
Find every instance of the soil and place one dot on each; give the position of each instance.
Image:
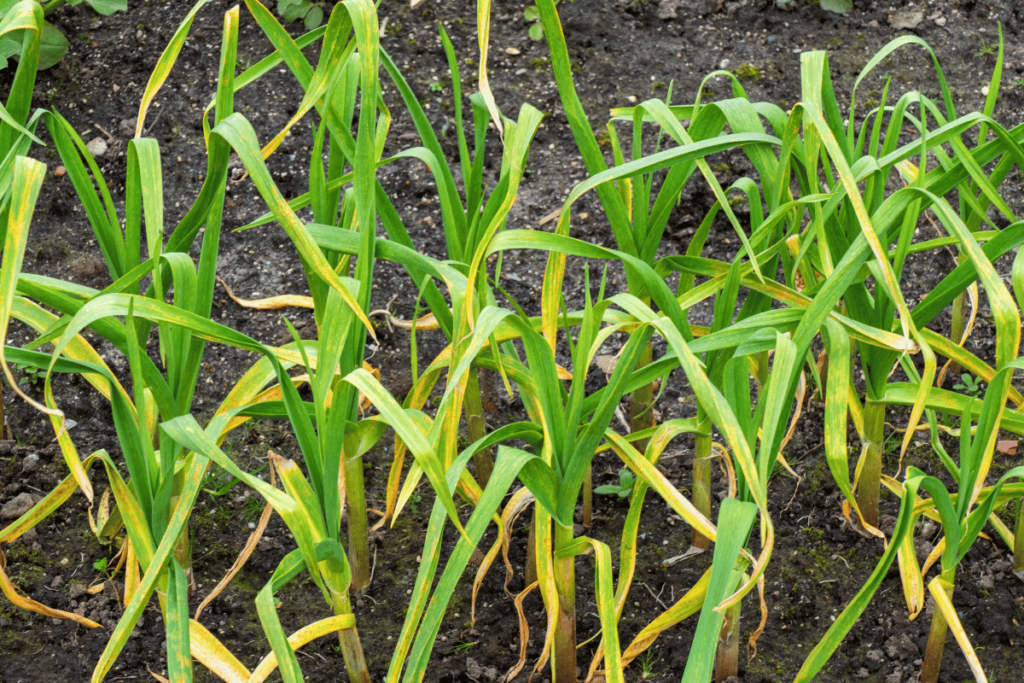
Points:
(620, 50)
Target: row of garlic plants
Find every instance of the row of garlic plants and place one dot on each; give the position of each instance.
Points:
(820, 270)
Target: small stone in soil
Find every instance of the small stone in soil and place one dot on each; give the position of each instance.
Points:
(17, 506)
(97, 147)
(30, 463)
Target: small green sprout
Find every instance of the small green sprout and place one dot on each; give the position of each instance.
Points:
(30, 375)
(968, 385)
(986, 51)
(622, 489)
(647, 663)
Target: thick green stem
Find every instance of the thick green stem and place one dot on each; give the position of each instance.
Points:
(937, 635)
(1018, 540)
(563, 665)
(702, 476)
(727, 657)
(358, 544)
(348, 640)
(183, 549)
(958, 323)
(641, 412)
(474, 408)
(588, 498)
(530, 571)
(183, 554)
(871, 473)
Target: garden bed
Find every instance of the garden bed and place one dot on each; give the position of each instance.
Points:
(819, 563)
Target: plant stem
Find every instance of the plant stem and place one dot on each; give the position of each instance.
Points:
(52, 6)
(641, 413)
(563, 665)
(937, 635)
(348, 640)
(183, 554)
(5, 431)
(474, 407)
(530, 571)
(358, 544)
(702, 475)
(870, 476)
(958, 323)
(183, 549)
(588, 498)
(1018, 540)
(727, 657)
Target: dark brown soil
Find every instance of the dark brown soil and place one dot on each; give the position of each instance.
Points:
(622, 50)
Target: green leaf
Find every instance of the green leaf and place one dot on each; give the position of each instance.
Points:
(8, 48)
(53, 48)
(536, 31)
(314, 17)
(291, 10)
(837, 6)
(108, 7)
(531, 13)
(734, 521)
(608, 490)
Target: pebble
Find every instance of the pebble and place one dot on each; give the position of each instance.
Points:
(30, 463)
(59, 172)
(906, 19)
(511, 51)
(724, 64)
(17, 506)
(97, 147)
(984, 91)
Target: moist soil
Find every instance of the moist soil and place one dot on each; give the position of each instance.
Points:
(622, 52)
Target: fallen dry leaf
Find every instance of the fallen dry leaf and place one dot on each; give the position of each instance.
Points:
(606, 363)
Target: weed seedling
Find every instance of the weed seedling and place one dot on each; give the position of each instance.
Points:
(647, 663)
(986, 51)
(622, 489)
(968, 385)
(31, 375)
